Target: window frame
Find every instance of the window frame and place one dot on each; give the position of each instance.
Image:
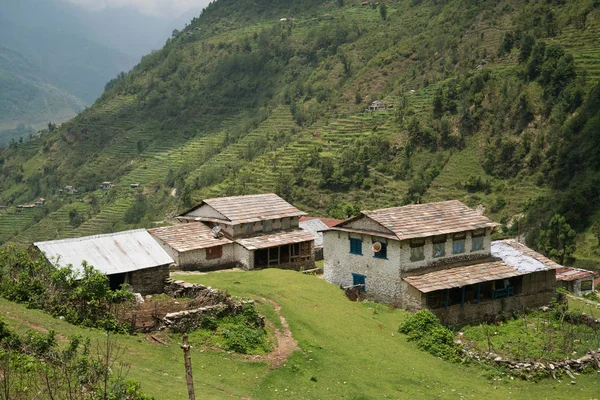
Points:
(353, 248)
(218, 252)
(457, 238)
(417, 245)
(436, 241)
(381, 254)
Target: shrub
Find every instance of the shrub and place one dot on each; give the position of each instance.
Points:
(430, 335)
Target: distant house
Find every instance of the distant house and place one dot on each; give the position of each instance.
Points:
(40, 202)
(438, 256)
(263, 230)
(107, 185)
(129, 257)
(134, 185)
(316, 226)
(68, 190)
(576, 280)
(379, 105)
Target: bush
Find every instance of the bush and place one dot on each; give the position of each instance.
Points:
(430, 335)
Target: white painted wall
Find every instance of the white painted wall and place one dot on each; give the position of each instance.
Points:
(198, 258)
(383, 276)
(205, 211)
(243, 256)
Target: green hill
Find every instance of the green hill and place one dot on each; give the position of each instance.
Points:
(28, 98)
(490, 103)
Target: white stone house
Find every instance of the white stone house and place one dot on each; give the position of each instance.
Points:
(437, 255)
(256, 231)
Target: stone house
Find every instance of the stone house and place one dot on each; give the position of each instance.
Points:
(196, 246)
(576, 280)
(263, 231)
(129, 257)
(439, 256)
(379, 105)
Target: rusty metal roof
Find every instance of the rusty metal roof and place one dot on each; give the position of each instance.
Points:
(329, 222)
(422, 220)
(113, 253)
(252, 208)
(187, 237)
(275, 239)
(461, 276)
(572, 274)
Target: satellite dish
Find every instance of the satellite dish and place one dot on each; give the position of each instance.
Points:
(376, 247)
(216, 231)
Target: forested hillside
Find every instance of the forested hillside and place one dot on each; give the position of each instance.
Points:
(494, 103)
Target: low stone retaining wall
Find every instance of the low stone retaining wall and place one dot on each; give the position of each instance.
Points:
(190, 320)
(529, 369)
(192, 290)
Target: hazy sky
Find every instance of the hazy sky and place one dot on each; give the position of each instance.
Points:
(159, 8)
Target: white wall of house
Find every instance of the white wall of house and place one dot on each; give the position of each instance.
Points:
(578, 283)
(198, 258)
(408, 265)
(382, 275)
(207, 212)
(243, 256)
(263, 226)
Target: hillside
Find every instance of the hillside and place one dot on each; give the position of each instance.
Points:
(489, 103)
(27, 96)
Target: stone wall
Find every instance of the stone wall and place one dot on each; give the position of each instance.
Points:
(191, 320)
(149, 280)
(456, 315)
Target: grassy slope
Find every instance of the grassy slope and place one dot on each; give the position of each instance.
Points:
(351, 349)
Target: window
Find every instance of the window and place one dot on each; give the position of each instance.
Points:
(477, 240)
(439, 246)
(417, 250)
(458, 243)
(267, 226)
(356, 246)
(381, 253)
(358, 279)
(214, 252)
(477, 243)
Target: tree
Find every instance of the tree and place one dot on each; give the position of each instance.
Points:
(383, 11)
(596, 230)
(558, 240)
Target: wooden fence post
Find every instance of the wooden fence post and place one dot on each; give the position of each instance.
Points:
(188, 367)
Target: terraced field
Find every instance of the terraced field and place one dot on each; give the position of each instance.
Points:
(12, 222)
(584, 45)
(56, 225)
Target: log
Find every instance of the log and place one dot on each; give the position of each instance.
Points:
(159, 340)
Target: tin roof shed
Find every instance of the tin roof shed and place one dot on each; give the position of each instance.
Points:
(110, 254)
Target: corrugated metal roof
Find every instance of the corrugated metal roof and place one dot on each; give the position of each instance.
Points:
(275, 239)
(572, 274)
(113, 253)
(521, 257)
(314, 226)
(252, 208)
(422, 220)
(329, 222)
(462, 276)
(187, 237)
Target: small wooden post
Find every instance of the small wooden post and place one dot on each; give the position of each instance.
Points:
(133, 321)
(188, 367)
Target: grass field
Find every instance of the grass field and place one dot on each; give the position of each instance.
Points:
(347, 350)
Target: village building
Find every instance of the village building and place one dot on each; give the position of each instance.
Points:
(69, 189)
(379, 105)
(576, 280)
(264, 231)
(197, 246)
(130, 257)
(40, 202)
(438, 256)
(316, 226)
(107, 185)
